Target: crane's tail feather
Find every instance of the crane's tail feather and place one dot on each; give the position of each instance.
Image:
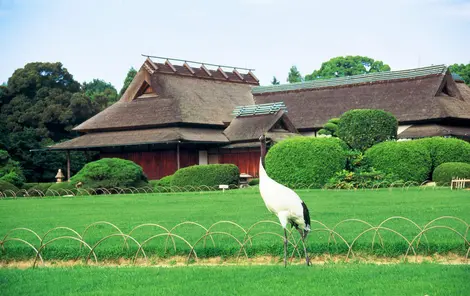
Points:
(306, 217)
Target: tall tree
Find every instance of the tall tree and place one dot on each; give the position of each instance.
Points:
(101, 92)
(130, 76)
(275, 81)
(294, 75)
(347, 66)
(463, 71)
(39, 106)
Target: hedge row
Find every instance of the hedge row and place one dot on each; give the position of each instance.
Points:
(445, 172)
(306, 160)
(206, 175)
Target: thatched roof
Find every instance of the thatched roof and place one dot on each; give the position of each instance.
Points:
(432, 130)
(143, 137)
(246, 128)
(159, 96)
(412, 96)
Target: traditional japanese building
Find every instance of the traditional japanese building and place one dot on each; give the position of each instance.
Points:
(174, 116)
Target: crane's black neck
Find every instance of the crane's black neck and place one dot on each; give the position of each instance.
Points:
(262, 140)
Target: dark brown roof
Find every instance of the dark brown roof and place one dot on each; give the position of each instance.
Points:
(432, 130)
(244, 128)
(142, 137)
(413, 99)
(174, 99)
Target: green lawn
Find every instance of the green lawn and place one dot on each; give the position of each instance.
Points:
(330, 279)
(244, 207)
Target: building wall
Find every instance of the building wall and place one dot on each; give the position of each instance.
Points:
(158, 164)
(246, 160)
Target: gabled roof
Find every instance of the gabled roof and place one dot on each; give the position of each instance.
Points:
(251, 127)
(159, 96)
(412, 96)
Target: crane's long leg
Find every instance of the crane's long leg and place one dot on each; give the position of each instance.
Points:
(285, 247)
(307, 259)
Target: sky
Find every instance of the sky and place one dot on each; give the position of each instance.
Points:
(103, 39)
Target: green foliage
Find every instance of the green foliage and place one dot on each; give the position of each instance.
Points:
(32, 187)
(408, 160)
(40, 106)
(294, 75)
(109, 173)
(463, 71)
(101, 92)
(330, 128)
(361, 179)
(305, 160)
(10, 170)
(4, 186)
(444, 173)
(275, 81)
(62, 187)
(211, 175)
(347, 66)
(362, 128)
(446, 150)
(163, 182)
(253, 182)
(354, 159)
(129, 77)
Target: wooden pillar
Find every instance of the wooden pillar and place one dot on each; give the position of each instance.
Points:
(68, 165)
(178, 155)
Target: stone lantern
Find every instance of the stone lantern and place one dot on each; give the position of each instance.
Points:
(60, 176)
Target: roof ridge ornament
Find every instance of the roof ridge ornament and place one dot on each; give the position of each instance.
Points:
(259, 109)
(167, 62)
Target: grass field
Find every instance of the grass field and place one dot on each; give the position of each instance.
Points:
(244, 207)
(330, 279)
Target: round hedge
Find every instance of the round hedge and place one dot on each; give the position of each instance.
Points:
(444, 150)
(110, 173)
(211, 175)
(407, 160)
(4, 186)
(444, 173)
(363, 128)
(306, 160)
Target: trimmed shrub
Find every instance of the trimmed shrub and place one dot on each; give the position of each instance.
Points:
(163, 182)
(408, 160)
(61, 188)
(363, 128)
(330, 128)
(32, 187)
(13, 178)
(253, 182)
(305, 160)
(444, 150)
(211, 175)
(110, 173)
(4, 186)
(444, 173)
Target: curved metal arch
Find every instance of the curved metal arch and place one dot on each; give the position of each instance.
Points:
(355, 220)
(59, 238)
(261, 222)
(27, 243)
(114, 235)
(58, 228)
(54, 192)
(67, 191)
(172, 235)
(20, 228)
(270, 233)
(105, 223)
(11, 191)
(193, 223)
(398, 218)
(158, 226)
(375, 228)
(439, 227)
(222, 233)
(25, 192)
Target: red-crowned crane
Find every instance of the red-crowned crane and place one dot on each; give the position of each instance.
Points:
(283, 202)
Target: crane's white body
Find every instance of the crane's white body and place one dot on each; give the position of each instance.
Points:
(281, 200)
